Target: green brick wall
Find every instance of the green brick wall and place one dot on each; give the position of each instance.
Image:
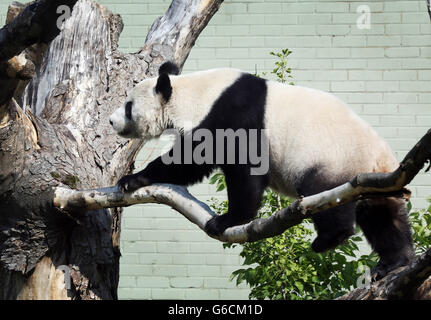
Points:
(383, 73)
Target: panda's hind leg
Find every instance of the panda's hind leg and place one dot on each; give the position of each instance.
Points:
(385, 225)
(244, 193)
(333, 227)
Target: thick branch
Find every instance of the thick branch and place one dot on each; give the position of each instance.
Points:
(363, 185)
(402, 283)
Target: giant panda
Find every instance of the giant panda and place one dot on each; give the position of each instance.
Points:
(315, 142)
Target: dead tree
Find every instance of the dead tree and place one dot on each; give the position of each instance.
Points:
(58, 88)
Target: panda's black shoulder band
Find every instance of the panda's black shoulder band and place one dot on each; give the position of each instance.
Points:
(169, 68)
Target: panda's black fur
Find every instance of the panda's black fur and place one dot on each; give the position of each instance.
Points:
(242, 105)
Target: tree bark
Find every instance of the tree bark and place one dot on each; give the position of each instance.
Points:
(54, 131)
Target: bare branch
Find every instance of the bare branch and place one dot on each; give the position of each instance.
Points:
(363, 185)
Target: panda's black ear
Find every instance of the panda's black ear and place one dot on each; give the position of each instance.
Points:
(169, 68)
(164, 87)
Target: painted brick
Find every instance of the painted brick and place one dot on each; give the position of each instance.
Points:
(365, 75)
(317, 19)
(367, 52)
(337, 30)
(173, 247)
(238, 294)
(266, 30)
(401, 52)
(185, 259)
(374, 6)
(204, 271)
(424, 97)
(400, 75)
(392, 17)
(202, 294)
(127, 282)
(415, 17)
(426, 29)
(378, 41)
(169, 270)
(170, 293)
(298, 30)
(298, 7)
(155, 258)
(424, 74)
(400, 6)
(234, 8)
(217, 283)
(397, 121)
(280, 19)
(251, 19)
(333, 53)
(417, 86)
(330, 75)
(232, 30)
(381, 64)
(426, 52)
(385, 86)
(188, 282)
(400, 97)
(380, 109)
(135, 293)
(264, 7)
(349, 41)
(413, 132)
(332, 7)
(417, 64)
(350, 86)
(397, 29)
(418, 109)
(248, 42)
(376, 29)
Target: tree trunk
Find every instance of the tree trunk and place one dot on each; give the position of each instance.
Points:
(54, 131)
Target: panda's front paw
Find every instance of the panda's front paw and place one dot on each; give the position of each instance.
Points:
(132, 182)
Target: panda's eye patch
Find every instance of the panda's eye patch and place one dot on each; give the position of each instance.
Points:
(129, 110)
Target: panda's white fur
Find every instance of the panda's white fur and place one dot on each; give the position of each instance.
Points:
(315, 141)
(308, 127)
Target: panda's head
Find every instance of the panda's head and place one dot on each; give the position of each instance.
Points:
(142, 114)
